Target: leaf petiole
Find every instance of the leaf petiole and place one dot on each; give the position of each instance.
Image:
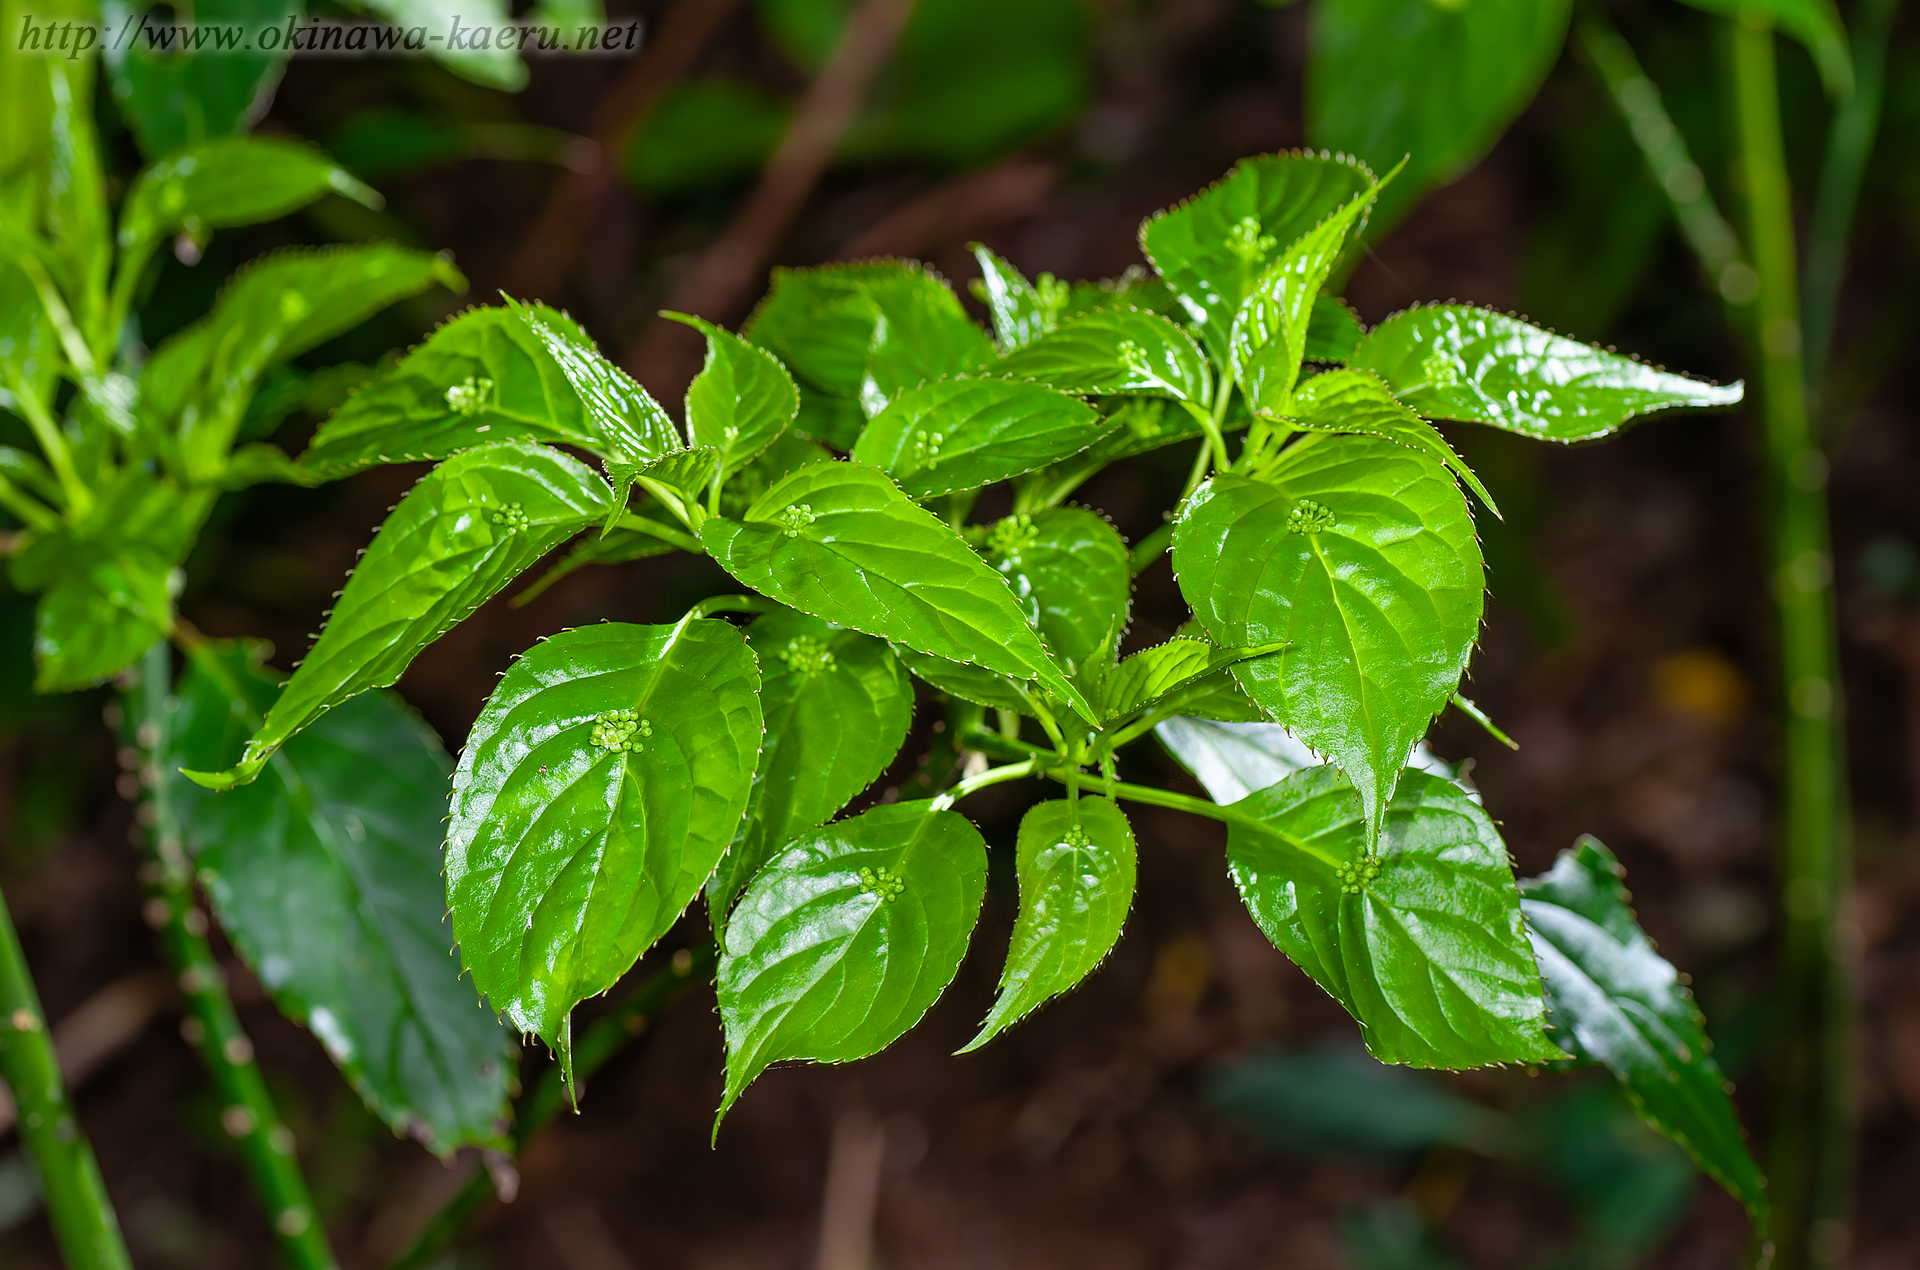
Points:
(992, 776)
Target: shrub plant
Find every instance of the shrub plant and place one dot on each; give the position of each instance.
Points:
(832, 461)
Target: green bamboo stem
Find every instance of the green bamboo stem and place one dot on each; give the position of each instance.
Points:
(248, 1114)
(1849, 146)
(1812, 1139)
(76, 1198)
(609, 1034)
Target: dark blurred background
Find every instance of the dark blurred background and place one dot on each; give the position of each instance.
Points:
(1199, 1102)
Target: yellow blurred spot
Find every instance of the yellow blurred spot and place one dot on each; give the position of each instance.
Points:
(1700, 683)
(1182, 968)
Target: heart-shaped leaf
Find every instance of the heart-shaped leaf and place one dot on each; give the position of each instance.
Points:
(740, 401)
(846, 939)
(597, 791)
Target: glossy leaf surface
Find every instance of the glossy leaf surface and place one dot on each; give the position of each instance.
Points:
(840, 541)
(1021, 314)
(969, 683)
(1232, 758)
(964, 433)
(326, 873)
(1212, 248)
(469, 527)
(481, 377)
(1176, 666)
(1355, 401)
(632, 428)
(1358, 554)
(597, 791)
(1617, 1002)
(1076, 865)
(836, 707)
(847, 938)
(225, 182)
(1114, 351)
(1068, 568)
(1478, 366)
(1439, 83)
(740, 401)
(1421, 938)
(1333, 331)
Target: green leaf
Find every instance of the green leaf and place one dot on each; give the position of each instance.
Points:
(1115, 351)
(597, 791)
(469, 527)
(1439, 83)
(1815, 23)
(847, 938)
(497, 67)
(1232, 758)
(1617, 1002)
(860, 333)
(1075, 859)
(632, 428)
(1214, 247)
(788, 454)
(1333, 330)
(1268, 338)
(741, 400)
(1021, 311)
(960, 434)
(1421, 938)
(277, 308)
(30, 353)
(704, 131)
(481, 377)
(632, 538)
(1360, 555)
(840, 541)
(75, 191)
(326, 873)
(969, 683)
(172, 97)
(837, 707)
(679, 480)
(1068, 568)
(1355, 401)
(225, 182)
(1456, 362)
(1178, 665)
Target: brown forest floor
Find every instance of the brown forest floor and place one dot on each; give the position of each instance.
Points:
(1627, 650)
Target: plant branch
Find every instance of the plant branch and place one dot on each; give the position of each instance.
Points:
(76, 1198)
(992, 776)
(1849, 147)
(1812, 1130)
(248, 1114)
(609, 1034)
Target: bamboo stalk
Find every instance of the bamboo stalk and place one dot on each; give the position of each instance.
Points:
(1812, 1138)
(248, 1115)
(76, 1198)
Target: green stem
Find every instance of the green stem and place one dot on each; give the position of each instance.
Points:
(76, 1198)
(1150, 548)
(248, 1114)
(733, 604)
(992, 776)
(610, 1034)
(1848, 148)
(1812, 1129)
(46, 430)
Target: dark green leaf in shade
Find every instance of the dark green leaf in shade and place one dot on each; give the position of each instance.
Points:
(272, 311)
(470, 526)
(1452, 361)
(704, 131)
(171, 97)
(847, 938)
(1115, 351)
(836, 706)
(107, 582)
(1356, 401)
(1075, 858)
(1268, 337)
(224, 182)
(1617, 1002)
(1068, 567)
(959, 434)
(597, 791)
(484, 376)
(840, 541)
(740, 401)
(1214, 247)
(1394, 78)
(861, 333)
(969, 683)
(1022, 311)
(1333, 330)
(1420, 938)
(326, 873)
(1360, 555)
